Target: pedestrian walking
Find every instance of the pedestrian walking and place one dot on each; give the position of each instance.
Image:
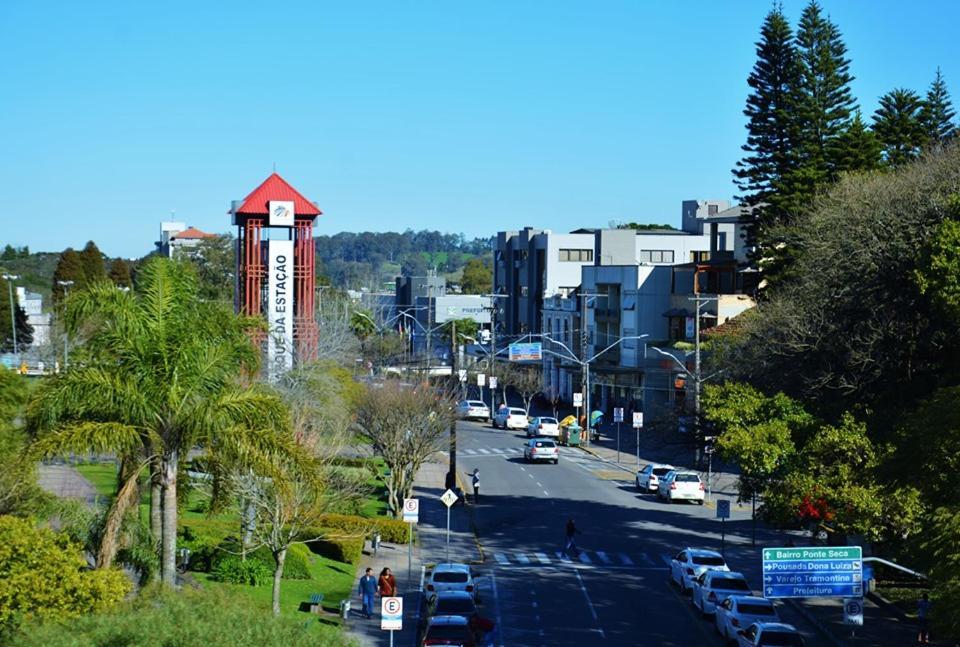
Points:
(571, 546)
(387, 584)
(923, 619)
(368, 589)
(476, 485)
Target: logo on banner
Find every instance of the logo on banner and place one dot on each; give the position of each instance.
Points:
(280, 308)
(281, 213)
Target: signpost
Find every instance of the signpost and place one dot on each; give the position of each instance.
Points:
(411, 515)
(391, 615)
(853, 611)
(829, 572)
(638, 425)
(723, 512)
(577, 403)
(449, 498)
(481, 380)
(530, 352)
(618, 418)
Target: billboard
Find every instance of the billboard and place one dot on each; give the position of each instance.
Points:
(532, 352)
(281, 213)
(279, 308)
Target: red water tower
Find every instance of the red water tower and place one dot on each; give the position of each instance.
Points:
(276, 270)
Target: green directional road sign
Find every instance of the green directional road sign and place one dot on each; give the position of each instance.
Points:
(828, 572)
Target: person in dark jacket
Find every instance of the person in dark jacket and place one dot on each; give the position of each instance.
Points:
(368, 589)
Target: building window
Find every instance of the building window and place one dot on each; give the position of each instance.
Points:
(656, 256)
(576, 255)
(523, 291)
(699, 257)
(712, 209)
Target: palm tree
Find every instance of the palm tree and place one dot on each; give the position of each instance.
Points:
(159, 372)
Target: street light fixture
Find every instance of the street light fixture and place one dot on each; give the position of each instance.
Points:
(10, 278)
(66, 355)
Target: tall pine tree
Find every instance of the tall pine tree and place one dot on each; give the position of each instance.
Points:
(120, 273)
(898, 127)
(856, 148)
(937, 113)
(69, 268)
(772, 136)
(24, 329)
(94, 269)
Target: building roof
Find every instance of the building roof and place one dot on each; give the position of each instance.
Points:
(192, 232)
(276, 188)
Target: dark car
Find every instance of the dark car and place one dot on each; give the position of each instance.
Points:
(459, 603)
(448, 630)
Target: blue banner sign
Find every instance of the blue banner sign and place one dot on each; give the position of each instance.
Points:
(830, 572)
(532, 352)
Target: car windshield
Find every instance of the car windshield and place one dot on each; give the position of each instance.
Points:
(448, 632)
(660, 471)
(780, 639)
(454, 607)
(548, 421)
(730, 584)
(756, 608)
(517, 412)
(449, 577)
(546, 443)
(474, 403)
(708, 560)
(686, 478)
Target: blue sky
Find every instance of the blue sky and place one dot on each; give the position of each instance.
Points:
(471, 117)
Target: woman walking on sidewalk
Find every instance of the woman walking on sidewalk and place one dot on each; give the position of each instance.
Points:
(387, 583)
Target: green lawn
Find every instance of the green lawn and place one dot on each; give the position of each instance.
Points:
(103, 476)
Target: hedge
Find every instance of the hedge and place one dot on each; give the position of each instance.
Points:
(393, 531)
(346, 549)
(206, 556)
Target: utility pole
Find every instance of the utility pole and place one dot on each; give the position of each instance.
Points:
(10, 278)
(429, 324)
(698, 379)
(452, 472)
(66, 337)
(584, 362)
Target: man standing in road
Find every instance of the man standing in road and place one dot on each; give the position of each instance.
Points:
(368, 588)
(571, 546)
(476, 485)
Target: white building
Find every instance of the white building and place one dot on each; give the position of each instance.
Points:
(175, 236)
(32, 304)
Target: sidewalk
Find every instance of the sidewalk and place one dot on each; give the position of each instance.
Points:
(429, 548)
(880, 628)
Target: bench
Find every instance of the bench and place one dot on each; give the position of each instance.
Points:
(316, 599)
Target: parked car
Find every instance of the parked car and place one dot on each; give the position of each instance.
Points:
(510, 418)
(679, 485)
(541, 449)
(475, 409)
(448, 630)
(648, 478)
(449, 577)
(543, 426)
(769, 634)
(689, 563)
(739, 612)
(460, 603)
(713, 587)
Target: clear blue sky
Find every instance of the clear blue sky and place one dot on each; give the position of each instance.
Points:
(464, 116)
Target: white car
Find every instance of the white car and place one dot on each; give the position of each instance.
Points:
(541, 449)
(761, 634)
(712, 587)
(648, 478)
(681, 486)
(475, 409)
(689, 563)
(739, 612)
(449, 577)
(510, 418)
(543, 426)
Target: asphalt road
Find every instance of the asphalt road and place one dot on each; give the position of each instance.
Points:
(618, 592)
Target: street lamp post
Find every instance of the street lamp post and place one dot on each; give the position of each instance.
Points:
(10, 278)
(66, 288)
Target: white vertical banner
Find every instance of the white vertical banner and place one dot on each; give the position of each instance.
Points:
(279, 308)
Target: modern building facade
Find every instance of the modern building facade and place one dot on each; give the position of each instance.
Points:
(32, 304)
(176, 237)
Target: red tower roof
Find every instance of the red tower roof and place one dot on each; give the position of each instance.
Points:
(276, 188)
(194, 233)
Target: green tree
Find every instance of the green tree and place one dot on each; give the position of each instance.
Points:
(772, 152)
(466, 330)
(214, 260)
(898, 126)
(938, 274)
(44, 576)
(94, 269)
(120, 273)
(19, 493)
(477, 277)
(937, 113)
(9, 253)
(23, 327)
(941, 538)
(69, 269)
(160, 371)
(856, 148)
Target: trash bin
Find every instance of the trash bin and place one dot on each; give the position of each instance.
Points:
(345, 609)
(570, 436)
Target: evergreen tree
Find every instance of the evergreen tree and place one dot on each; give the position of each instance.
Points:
(772, 136)
(856, 148)
(825, 100)
(937, 113)
(94, 269)
(120, 273)
(24, 329)
(69, 268)
(898, 127)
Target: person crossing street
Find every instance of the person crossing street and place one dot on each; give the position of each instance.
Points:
(475, 479)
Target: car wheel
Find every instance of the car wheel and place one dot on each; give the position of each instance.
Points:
(556, 461)
(700, 502)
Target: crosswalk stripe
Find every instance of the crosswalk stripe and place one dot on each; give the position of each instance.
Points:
(563, 558)
(542, 557)
(603, 557)
(666, 559)
(467, 452)
(523, 559)
(626, 559)
(585, 558)
(501, 558)
(485, 451)
(648, 560)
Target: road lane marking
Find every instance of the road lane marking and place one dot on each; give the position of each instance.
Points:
(496, 607)
(523, 559)
(546, 493)
(501, 558)
(603, 557)
(593, 611)
(523, 469)
(563, 558)
(585, 558)
(539, 484)
(543, 558)
(649, 560)
(485, 451)
(530, 475)
(534, 604)
(626, 559)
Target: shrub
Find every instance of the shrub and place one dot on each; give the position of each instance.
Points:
(297, 564)
(295, 567)
(43, 575)
(233, 570)
(347, 550)
(391, 530)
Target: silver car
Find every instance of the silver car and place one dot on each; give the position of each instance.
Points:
(541, 449)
